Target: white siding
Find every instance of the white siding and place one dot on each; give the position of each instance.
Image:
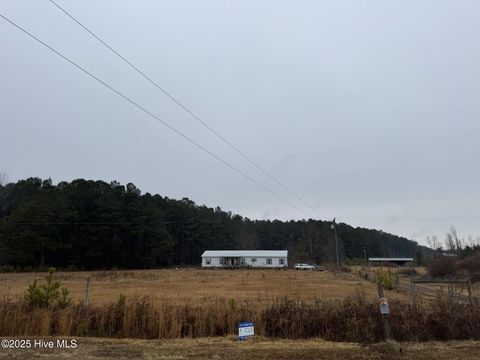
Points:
(214, 262)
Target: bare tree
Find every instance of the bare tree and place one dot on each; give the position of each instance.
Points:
(473, 241)
(449, 242)
(433, 242)
(459, 243)
(452, 241)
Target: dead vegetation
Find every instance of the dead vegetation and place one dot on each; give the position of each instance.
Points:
(169, 304)
(355, 319)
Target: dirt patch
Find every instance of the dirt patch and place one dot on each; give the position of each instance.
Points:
(231, 349)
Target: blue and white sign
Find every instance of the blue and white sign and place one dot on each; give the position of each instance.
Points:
(246, 330)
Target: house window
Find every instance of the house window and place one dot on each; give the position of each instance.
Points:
(281, 261)
(208, 261)
(223, 261)
(269, 261)
(242, 261)
(254, 260)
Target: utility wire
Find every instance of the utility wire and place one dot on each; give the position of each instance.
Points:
(183, 107)
(178, 132)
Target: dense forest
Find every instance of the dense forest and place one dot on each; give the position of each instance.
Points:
(88, 224)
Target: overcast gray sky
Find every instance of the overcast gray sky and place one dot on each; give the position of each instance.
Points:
(369, 110)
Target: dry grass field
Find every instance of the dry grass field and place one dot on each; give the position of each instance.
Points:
(197, 285)
(201, 304)
(228, 348)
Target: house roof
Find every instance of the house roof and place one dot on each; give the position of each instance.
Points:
(245, 253)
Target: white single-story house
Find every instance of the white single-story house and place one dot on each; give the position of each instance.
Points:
(245, 258)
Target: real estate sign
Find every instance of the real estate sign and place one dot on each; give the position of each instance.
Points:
(246, 330)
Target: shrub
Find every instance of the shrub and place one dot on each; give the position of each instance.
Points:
(232, 304)
(47, 294)
(388, 349)
(443, 266)
(353, 261)
(6, 269)
(386, 279)
(64, 300)
(470, 264)
(121, 299)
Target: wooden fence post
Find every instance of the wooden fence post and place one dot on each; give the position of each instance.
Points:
(386, 323)
(87, 285)
(470, 293)
(413, 291)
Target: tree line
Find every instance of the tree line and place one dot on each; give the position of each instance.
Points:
(88, 224)
(453, 244)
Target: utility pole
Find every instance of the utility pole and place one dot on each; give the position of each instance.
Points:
(334, 227)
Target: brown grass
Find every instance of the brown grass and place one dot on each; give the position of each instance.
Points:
(169, 304)
(230, 349)
(355, 319)
(190, 285)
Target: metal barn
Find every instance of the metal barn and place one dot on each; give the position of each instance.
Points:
(388, 260)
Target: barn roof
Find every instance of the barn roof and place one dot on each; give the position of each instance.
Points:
(245, 253)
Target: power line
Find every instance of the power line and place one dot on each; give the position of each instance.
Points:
(178, 132)
(183, 107)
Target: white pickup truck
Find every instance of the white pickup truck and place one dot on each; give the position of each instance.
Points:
(304, 267)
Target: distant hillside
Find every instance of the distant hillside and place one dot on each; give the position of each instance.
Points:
(94, 224)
